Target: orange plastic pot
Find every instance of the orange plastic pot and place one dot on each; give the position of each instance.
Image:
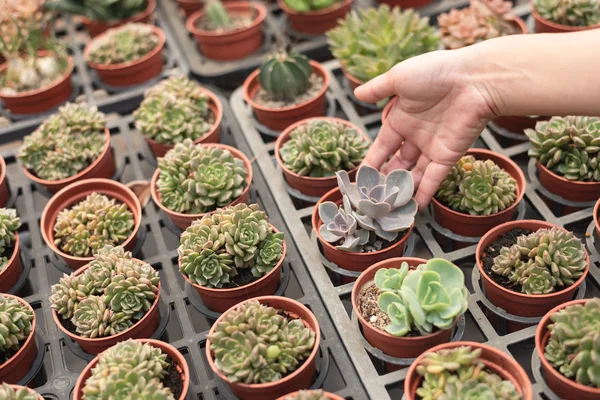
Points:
(11, 273)
(543, 25)
(181, 220)
(301, 378)
(308, 185)
(330, 396)
(42, 99)
(101, 167)
(130, 73)
(166, 348)
(562, 386)
(569, 190)
(515, 303)
(280, 118)
(477, 225)
(212, 136)
(403, 4)
(13, 370)
(142, 329)
(349, 260)
(189, 6)
(316, 22)
(3, 183)
(76, 192)
(95, 28)
(494, 360)
(17, 387)
(220, 300)
(234, 44)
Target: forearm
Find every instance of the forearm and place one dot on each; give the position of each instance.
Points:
(541, 74)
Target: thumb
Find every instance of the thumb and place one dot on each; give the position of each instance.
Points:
(377, 89)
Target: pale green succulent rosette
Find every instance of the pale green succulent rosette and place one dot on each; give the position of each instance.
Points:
(16, 321)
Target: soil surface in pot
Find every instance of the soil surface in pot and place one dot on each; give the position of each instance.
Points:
(238, 21)
(315, 85)
(375, 243)
(172, 378)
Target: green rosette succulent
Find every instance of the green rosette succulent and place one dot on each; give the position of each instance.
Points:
(15, 323)
(196, 179)
(370, 41)
(9, 225)
(66, 143)
(173, 110)
(123, 44)
(93, 319)
(21, 393)
(569, 12)
(131, 295)
(91, 224)
(573, 347)
(269, 254)
(320, 148)
(254, 343)
(69, 292)
(308, 395)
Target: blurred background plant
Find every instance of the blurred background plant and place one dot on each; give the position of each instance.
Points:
(569, 12)
(99, 10)
(310, 5)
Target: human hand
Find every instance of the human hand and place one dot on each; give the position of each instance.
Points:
(440, 110)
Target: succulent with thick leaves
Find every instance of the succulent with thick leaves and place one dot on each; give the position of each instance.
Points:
(20, 16)
(269, 254)
(91, 224)
(457, 373)
(93, 318)
(99, 10)
(285, 75)
(69, 292)
(65, 143)
(173, 110)
(320, 148)
(303, 6)
(131, 295)
(479, 187)
(340, 226)
(217, 15)
(254, 343)
(543, 261)
(573, 347)
(433, 295)
(568, 146)
(196, 179)
(369, 42)
(130, 385)
(308, 395)
(15, 323)
(8, 393)
(569, 12)
(124, 44)
(9, 225)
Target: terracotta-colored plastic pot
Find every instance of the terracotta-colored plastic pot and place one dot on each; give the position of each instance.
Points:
(42, 99)
(477, 225)
(543, 25)
(330, 396)
(212, 136)
(280, 118)
(569, 190)
(395, 346)
(95, 28)
(189, 6)
(166, 348)
(142, 329)
(3, 183)
(316, 22)
(562, 386)
(406, 3)
(495, 360)
(235, 44)
(181, 220)
(349, 260)
(220, 300)
(131, 73)
(76, 192)
(597, 217)
(11, 273)
(308, 185)
(515, 303)
(17, 387)
(13, 370)
(101, 167)
(301, 378)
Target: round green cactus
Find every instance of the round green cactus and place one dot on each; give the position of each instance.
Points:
(9, 225)
(285, 75)
(22, 393)
(15, 323)
(123, 44)
(569, 12)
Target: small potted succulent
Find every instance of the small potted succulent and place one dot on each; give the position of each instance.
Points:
(565, 15)
(310, 395)
(18, 349)
(359, 224)
(287, 88)
(176, 109)
(370, 41)
(466, 370)
(282, 361)
(14, 392)
(192, 180)
(314, 17)
(481, 191)
(100, 16)
(113, 298)
(232, 255)
(128, 55)
(568, 154)
(311, 151)
(567, 344)
(135, 369)
(10, 253)
(528, 267)
(69, 146)
(407, 305)
(87, 215)
(230, 31)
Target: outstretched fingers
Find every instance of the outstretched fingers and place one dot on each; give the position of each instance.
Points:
(433, 176)
(387, 142)
(404, 158)
(377, 89)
